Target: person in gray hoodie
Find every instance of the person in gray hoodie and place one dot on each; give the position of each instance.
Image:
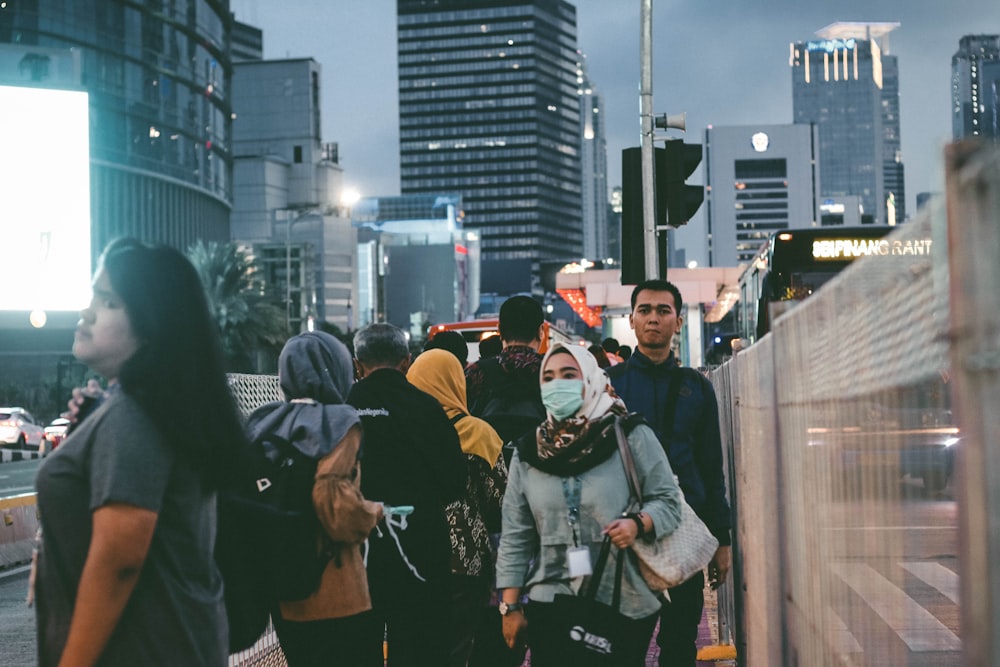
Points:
(333, 626)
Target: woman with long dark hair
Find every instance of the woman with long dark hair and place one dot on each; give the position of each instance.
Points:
(126, 574)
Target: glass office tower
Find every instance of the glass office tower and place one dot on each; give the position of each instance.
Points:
(158, 79)
(975, 87)
(489, 109)
(847, 85)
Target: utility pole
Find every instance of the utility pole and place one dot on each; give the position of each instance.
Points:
(646, 145)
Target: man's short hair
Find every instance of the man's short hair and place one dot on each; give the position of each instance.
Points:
(380, 344)
(610, 345)
(520, 317)
(657, 285)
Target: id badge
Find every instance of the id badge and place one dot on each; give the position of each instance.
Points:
(579, 562)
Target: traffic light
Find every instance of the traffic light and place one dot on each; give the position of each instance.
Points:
(679, 162)
(674, 164)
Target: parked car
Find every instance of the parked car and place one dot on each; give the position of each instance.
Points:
(55, 432)
(19, 429)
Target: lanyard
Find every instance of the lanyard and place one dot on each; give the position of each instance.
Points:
(572, 494)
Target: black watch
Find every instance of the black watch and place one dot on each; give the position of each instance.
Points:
(507, 607)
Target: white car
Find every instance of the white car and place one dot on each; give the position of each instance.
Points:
(19, 429)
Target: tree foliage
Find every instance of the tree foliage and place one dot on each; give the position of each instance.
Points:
(252, 324)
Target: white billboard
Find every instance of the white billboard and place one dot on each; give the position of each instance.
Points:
(44, 199)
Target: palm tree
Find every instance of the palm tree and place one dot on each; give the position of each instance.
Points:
(252, 325)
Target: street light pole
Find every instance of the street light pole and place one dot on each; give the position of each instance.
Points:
(650, 246)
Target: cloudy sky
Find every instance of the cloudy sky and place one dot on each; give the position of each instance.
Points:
(724, 62)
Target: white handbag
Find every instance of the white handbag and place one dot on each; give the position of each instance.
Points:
(672, 559)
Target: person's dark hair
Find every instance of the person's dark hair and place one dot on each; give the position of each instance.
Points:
(178, 373)
(600, 355)
(624, 351)
(610, 345)
(657, 285)
(490, 346)
(453, 342)
(520, 317)
(380, 344)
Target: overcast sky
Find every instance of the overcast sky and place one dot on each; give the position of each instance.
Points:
(724, 62)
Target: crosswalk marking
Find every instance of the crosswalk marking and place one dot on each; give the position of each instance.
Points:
(843, 640)
(937, 576)
(916, 626)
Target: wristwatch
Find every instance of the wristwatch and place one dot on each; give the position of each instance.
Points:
(507, 607)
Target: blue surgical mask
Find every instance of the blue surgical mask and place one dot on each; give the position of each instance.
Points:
(562, 398)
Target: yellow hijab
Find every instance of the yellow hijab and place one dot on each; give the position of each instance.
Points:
(440, 374)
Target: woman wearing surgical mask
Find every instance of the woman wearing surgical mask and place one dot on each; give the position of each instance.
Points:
(566, 491)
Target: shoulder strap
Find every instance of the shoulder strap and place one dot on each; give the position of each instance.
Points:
(673, 393)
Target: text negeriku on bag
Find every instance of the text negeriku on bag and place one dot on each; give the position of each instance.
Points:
(853, 248)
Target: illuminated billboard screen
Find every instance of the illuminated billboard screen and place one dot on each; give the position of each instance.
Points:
(44, 199)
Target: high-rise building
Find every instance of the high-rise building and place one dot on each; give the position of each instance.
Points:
(848, 86)
(759, 179)
(594, 168)
(975, 87)
(158, 78)
(489, 109)
(287, 188)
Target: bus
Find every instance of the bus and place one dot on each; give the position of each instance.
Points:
(475, 330)
(794, 263)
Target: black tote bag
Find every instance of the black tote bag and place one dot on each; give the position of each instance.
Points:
(590, 633)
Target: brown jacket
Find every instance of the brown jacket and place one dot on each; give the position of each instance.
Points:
(347, 519)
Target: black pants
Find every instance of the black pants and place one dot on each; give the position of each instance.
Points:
(544, 653)
(679, 621)
(415, 616)
(353, 641)
(470, 595)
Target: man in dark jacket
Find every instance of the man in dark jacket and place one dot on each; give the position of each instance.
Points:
(410, 456)
(689, 432)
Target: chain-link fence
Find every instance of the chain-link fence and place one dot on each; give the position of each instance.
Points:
(250, 392)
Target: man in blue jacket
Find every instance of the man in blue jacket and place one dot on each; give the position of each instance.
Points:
(680, 405)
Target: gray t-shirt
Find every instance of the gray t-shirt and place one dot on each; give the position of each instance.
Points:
(176, 614)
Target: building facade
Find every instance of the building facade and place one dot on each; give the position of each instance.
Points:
(158, 80)
(416, 264)
(759, 179)
(489, 109)
(593, 168)
(975, 87)
(287, 191)
(845, 83)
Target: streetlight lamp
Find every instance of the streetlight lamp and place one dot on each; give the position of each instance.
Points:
(289, 223)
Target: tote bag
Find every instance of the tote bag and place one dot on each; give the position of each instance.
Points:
(590, 633)
(672, 559)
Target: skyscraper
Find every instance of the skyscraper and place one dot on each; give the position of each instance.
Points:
(975, 87)
(158, 77)
(489, 109)
(846, 83)
(594, 169)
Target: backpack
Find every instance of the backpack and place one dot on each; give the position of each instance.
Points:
(510, 408)
(268, 541)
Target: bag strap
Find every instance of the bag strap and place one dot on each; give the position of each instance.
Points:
(595, 578)
(670, 410)
(457, 418)
(629, 464)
